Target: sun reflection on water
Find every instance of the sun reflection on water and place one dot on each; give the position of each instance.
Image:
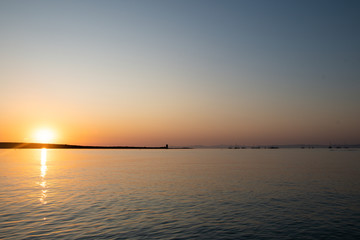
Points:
(43, 170)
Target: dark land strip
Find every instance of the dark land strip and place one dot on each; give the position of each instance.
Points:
(10, 145)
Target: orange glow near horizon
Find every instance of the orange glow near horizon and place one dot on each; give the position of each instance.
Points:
(44, 136)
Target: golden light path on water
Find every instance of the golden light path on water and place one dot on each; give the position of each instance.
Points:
(43, 170)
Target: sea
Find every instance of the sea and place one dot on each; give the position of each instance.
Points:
(180, 194)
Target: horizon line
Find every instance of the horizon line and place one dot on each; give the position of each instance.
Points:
(37, 145)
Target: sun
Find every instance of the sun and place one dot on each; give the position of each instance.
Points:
(44, 136)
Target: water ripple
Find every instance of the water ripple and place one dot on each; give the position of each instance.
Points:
(180, 195)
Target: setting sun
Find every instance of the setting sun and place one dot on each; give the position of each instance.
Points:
(44, 136)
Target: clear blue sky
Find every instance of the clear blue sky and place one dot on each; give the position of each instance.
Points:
(181, 72)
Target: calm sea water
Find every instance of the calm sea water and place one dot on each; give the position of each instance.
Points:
(180, 194)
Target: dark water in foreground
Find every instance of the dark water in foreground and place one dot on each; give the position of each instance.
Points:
(179, 194)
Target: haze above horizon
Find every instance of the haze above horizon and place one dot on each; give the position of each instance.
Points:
(149, 73)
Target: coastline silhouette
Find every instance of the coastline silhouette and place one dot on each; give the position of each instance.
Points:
(24, 145)
(68, 146)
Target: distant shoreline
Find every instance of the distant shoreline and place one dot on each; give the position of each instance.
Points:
(21, 145)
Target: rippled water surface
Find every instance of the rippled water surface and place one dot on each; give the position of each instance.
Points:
(179, 194)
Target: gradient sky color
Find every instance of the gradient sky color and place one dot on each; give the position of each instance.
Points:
(181, 72)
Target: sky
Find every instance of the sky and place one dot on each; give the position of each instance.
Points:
(150, 73)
